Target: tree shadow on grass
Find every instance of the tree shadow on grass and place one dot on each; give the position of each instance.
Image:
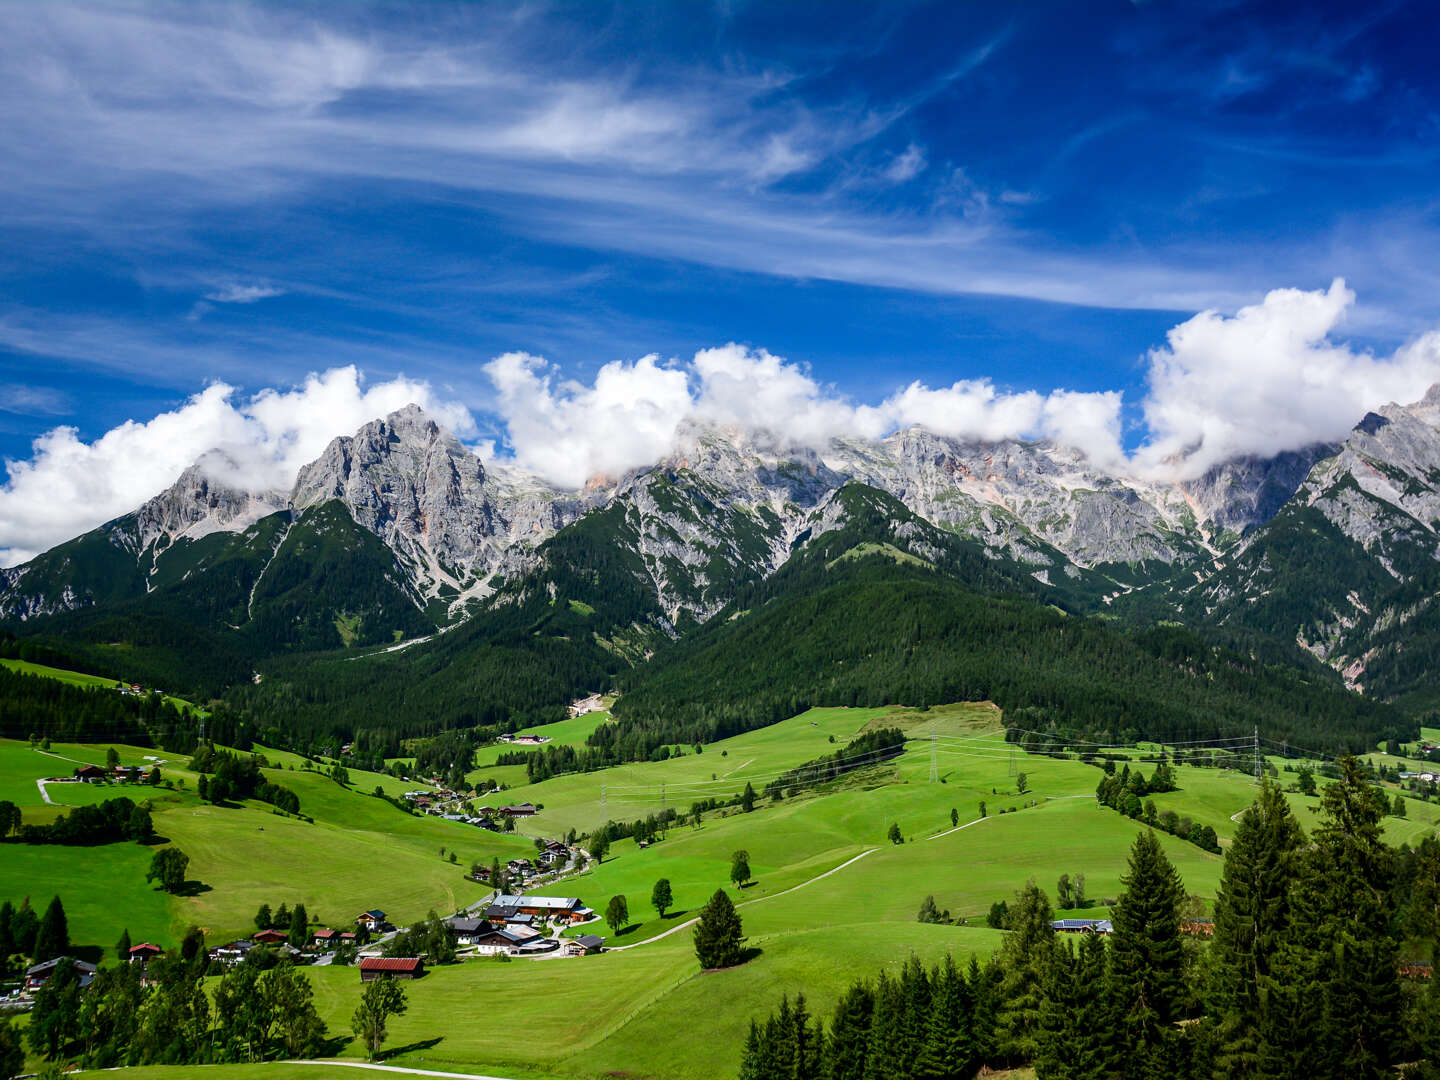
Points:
(91, 954)
(674, 914)
(627, 929)
(410, 1048)
(193, 888)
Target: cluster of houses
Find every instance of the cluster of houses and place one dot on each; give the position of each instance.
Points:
(1427, 777)
(1194, 927)
(37, 975)
(95, 774)
(516, 926)
(434, 803)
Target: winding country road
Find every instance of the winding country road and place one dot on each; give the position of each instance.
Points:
(395, 1069)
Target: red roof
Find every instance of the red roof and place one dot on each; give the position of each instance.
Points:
(145, 946)
(273, 936)
(391, 963)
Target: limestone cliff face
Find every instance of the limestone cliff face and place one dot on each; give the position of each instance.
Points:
(453, 524)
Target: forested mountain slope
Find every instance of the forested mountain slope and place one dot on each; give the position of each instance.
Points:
(878, 612)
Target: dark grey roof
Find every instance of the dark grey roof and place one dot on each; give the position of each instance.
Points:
(50, 965)
(590, 941)
(465, 925)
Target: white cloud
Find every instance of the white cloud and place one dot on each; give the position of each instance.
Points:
(69, 486)
(1267, 379)
(569, 433)
(235, 292)
(25, 400)
(906, 166)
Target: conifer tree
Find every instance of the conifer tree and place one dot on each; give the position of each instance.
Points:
(53, 938)
(948, 1050)
(122, 947)
(718, 934)
(1341, 958)
(847, 1046)
(1024, 958)
(883, 1057)
(1252, 919)
(1148, 963)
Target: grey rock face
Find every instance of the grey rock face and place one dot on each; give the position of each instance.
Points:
(417, 487)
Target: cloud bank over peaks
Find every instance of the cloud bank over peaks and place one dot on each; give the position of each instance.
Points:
(69, 486)
(570, 433)
(1269, 379)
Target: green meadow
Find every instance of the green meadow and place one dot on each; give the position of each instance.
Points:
(831, 896)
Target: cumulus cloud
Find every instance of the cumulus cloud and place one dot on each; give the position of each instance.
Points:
(1267, 379)
(69, 485)
(570, 433)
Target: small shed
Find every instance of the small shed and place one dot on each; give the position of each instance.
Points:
(392, 967)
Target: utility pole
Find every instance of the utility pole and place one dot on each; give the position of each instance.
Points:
(202, 730)
(934, 768)
(602, 794)
(1257, 754)
(662, 798)
(1012, 759)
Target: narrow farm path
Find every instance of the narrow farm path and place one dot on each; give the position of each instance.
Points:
(395, 1069)
(45, 795)
(757, 900)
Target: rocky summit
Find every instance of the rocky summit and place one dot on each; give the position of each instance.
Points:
(727, 506)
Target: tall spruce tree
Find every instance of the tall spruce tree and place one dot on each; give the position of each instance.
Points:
(1341, 958)
(1025, 957)
(847, 1046)
(719, 937)
(1148, 963)
(53, 938)
(948, 1050)
(1077, 1039)
(1252, 920)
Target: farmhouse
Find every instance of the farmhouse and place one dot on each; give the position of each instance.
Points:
(90, 773)
(233, 953)
(372, 920)
(465, 930)
(270, 937)
(523, 809)
(144, 952)
(547, 907)
(1083, 926)
(584, 945)
(326, 938)
(392, 967)
(38, 975)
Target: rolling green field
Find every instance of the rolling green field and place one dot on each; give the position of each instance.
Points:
(79, 678)
(832, 897)
(359, 852)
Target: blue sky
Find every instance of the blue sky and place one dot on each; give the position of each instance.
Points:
(1028, 194)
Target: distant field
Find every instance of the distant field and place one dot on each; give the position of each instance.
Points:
(360, 852)
(78, 678)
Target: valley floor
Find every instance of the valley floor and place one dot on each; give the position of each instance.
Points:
(832, 898)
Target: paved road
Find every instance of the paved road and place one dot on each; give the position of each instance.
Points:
(396, 1069)
(747, 903)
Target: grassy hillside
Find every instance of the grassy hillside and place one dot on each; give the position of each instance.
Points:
(359, 851)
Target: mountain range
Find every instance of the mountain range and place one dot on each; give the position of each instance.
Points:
(399, 533)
